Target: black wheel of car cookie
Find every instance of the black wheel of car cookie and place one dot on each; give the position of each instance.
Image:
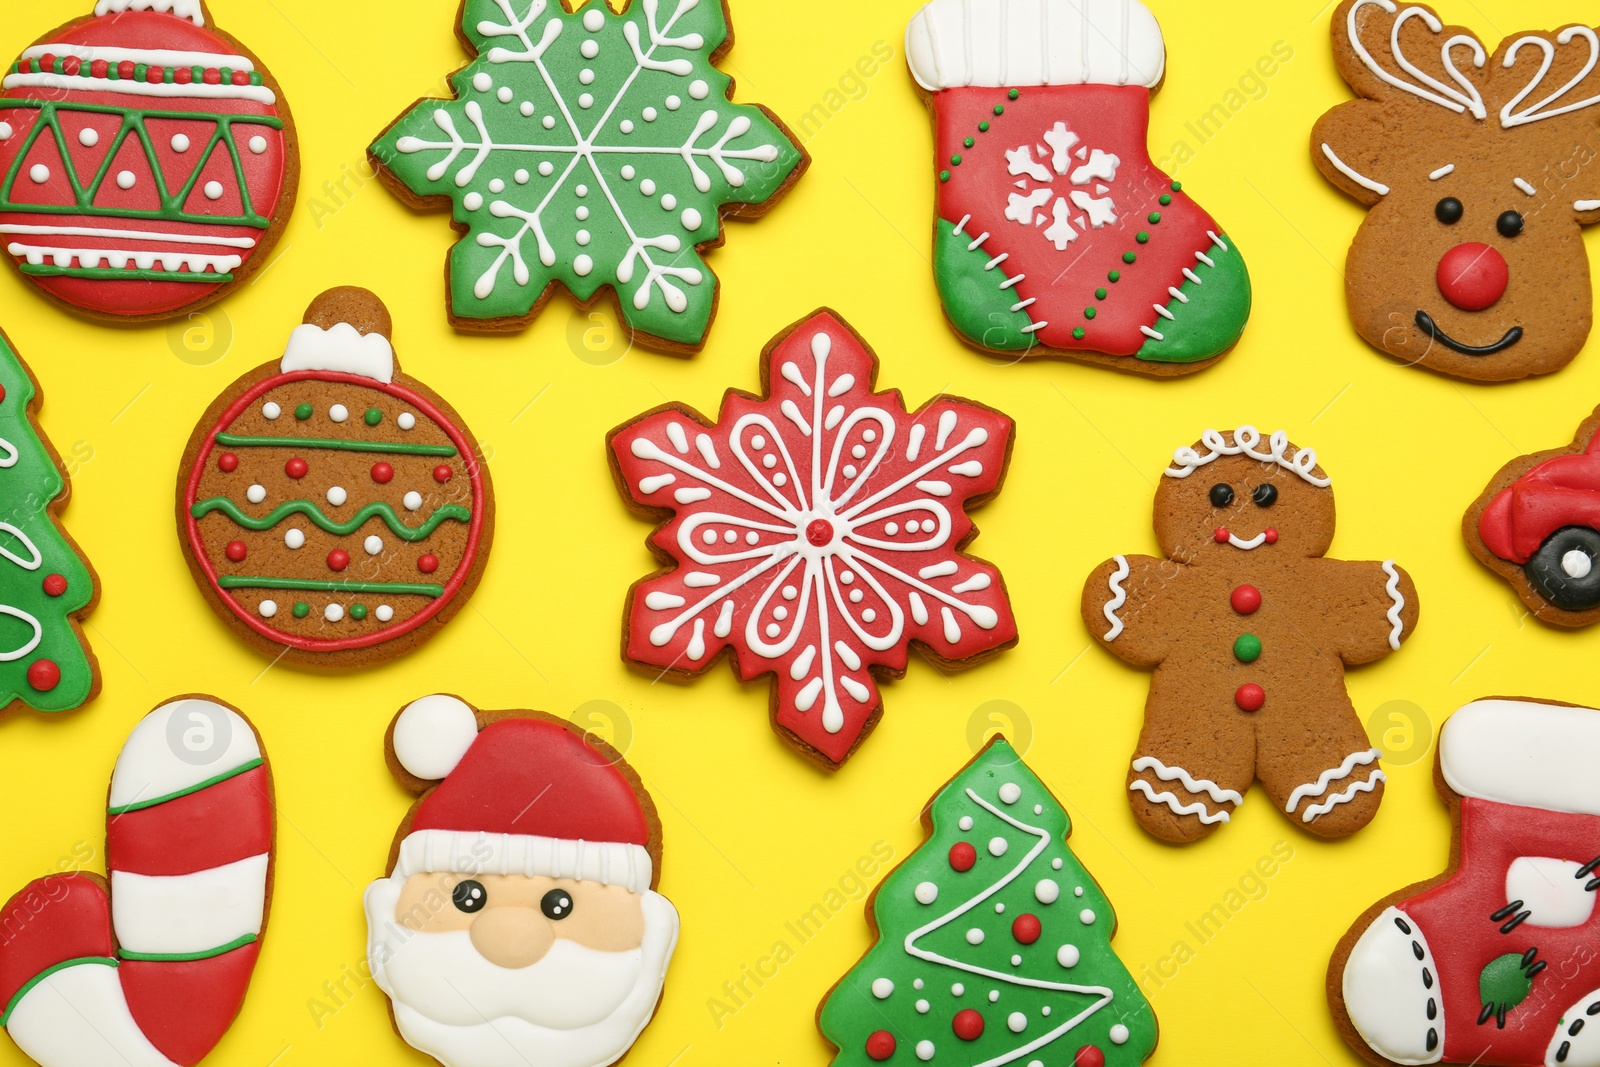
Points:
(1566, 569)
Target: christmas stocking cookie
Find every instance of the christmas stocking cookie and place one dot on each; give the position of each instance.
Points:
(993, 942)
(1493, 962)
(149, 968)
(1249, 629)
(1056, 234)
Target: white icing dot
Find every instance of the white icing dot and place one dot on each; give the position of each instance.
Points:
(586, 76)
(258, 144)
(583, 237)
(589, 49)
(847, 577)
(582, 191)
(472, 201)
(1119, 1034)
(412, 501)
(957, 990)
(882, 988)
(1068, 955)
(295, 537)
(709, 537)
(546, 169)
(869, 615)
(1016, 961)
(922, 1007)
(267, 608)
(650, 114)
(752, 538)
(869, 436)
(999, 908)
(994, 996)
(699, 89)
(126, 179)
(549, 122)
(39, 173)
(966, 822)
(1046, 892)
(1038, 809)
(924, 1050)
(521, 177)
(526, 107)
(6, 131)
(773, 629)
(384, 613)
(1056, 863)
(627, 126)
(674, 103)
(213, 190)
(270, 411)
(338, 413)
(927, 893)
(790, 592)
(586, 100)
(856, 595)
(406, 420)
(891, 528)
(333, 613)
(593, 19)
(482, 82)
(505, 94)
(256, 494)
(373, 545)
(647, 187)
(974, 936)
(88, 137)
(997, 846)
(780, 613)
(1016, 1022)
(1011, 792)
(691, 219)
(730, 537)
(497, 186)
(1078, 892)
(337, 496)
(628, 173)
(582, 213)
(582, 266)
(669, 203)
(1086, 916)
(916, 984)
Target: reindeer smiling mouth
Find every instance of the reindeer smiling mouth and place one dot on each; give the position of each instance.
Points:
(1426, 324)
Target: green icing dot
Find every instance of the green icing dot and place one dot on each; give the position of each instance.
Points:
(969, 142)
(1100, 294)
(983, 127)
(955, 161)
(1155, 217)
(999, 109)
(944, 175)
(303, 412)
(1177, 186)
(373, 416)
(302, 610)
(1013, 94)
(1165, 199)
(1247, 649)
(1078, 333)
(1142, 237)
(358, 611)
(1088, 313)
(1115, 276)
(1128, 257)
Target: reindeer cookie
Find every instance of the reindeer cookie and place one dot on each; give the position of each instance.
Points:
(1475, 168)
(1249, 630)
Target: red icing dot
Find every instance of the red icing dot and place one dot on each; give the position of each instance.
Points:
(338, 559)
(382, 473)
(1221, 536)
(183, 75)
(125, 69)
(71, 65)
(442, 473)
(1250, 697)
(1089, 1056)
(99, 68)
(54, 585)
(44, 675)
(820, 532)
(963, 856)
(880, 1045)
(1473, 276)
(241, 77)
(967, 1024)
(2, 394)
(1271, 535)
(296, 468)
(236, 551)
(1026, 929)
(153, 75)
(227, 463)
(1246, 599)
(213, 76)
(428, 564)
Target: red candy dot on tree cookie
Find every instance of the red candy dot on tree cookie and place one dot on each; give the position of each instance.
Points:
(442, 473)
(963, 856)
(296, 468)
(428, 564)
(338, 559)
(2, 394)
(1246, 599)
(880, 1044)
(1089, 1056)
(1026, 929)
(44, 675)
(236, 551)
(227, 463)
(968, 1025)
(382, 473)
(54, 585)
(1250, 697)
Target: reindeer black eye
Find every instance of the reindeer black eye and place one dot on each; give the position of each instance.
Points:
(469, 896)
(1509, 224)
(1221, 495)
(1265, 495)
(1449, 211)
(557, 904)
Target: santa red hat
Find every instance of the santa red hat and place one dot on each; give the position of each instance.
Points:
(522, 796)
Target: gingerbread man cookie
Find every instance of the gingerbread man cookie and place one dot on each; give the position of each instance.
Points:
(1249, 631)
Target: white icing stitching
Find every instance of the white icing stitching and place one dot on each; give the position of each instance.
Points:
(1197, 809)
(1119, 598)
(1191, 783)
(1316, 811)
(1392, 587)
(1328, 777)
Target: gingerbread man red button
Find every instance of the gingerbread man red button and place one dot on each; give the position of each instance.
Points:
(1246, 600)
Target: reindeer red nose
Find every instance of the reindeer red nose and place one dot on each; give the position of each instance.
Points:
(1473, 276)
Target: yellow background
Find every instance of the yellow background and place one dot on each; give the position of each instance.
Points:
(756, 837)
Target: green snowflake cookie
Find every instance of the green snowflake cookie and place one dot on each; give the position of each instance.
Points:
(591, 149)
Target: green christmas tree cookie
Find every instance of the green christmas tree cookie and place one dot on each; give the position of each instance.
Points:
(46, 587)
(994, 944)
(591, 149)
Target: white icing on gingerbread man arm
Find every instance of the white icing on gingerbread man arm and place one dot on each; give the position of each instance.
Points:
(1378, 609)
(1118, 612)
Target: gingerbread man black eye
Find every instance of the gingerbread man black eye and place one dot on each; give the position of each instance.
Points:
(1509, 224)
(1265, 495)
(556, 905)
(469, 896)
(1449, 211)
(1221, 495)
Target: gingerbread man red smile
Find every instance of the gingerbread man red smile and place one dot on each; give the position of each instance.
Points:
(1248, 629)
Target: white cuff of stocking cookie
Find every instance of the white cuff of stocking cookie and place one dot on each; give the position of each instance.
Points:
(956, 43)
(1524, 753)
(341, 348)
(1389, 993)
(468, 852)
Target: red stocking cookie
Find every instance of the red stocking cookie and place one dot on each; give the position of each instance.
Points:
(1493, 962)
(816, 531)
(1248, 629)
(1056, 234)
(150, 969)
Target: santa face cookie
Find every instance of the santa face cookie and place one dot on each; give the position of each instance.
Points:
(1249, 660)
(147, 161)
(516, 932)
(592, 150)
(1056, 235)
(151, 964)
(333, 510)
(816, 531)
(1493, 962)
(1470, 261)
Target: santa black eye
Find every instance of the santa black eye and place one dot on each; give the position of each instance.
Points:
(557, 904)
(1221, 495)
(469, 896)
(1449, 211)
(1265, 495)
(1509, 224)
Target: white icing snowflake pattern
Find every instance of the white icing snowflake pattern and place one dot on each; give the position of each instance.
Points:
(817, 532)
(1067, 176)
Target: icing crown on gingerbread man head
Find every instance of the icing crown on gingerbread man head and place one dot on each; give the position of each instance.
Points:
(1245, 441)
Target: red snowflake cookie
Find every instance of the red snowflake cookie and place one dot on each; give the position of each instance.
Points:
(817, 532)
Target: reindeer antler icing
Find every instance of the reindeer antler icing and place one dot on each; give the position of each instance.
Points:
(1465, 99)
(1510, 116)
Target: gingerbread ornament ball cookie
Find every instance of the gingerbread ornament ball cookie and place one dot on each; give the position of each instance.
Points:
(510, 932)
(148, 161)
(1056, 234)
(814, 533)
(334, 510)
(1249, 628)
(595, 150)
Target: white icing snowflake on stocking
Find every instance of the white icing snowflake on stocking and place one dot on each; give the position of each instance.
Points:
(1064, 171)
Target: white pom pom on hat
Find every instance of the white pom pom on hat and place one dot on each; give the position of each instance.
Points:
(432, 734)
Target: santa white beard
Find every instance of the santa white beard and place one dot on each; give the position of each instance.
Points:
(576, 1007)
